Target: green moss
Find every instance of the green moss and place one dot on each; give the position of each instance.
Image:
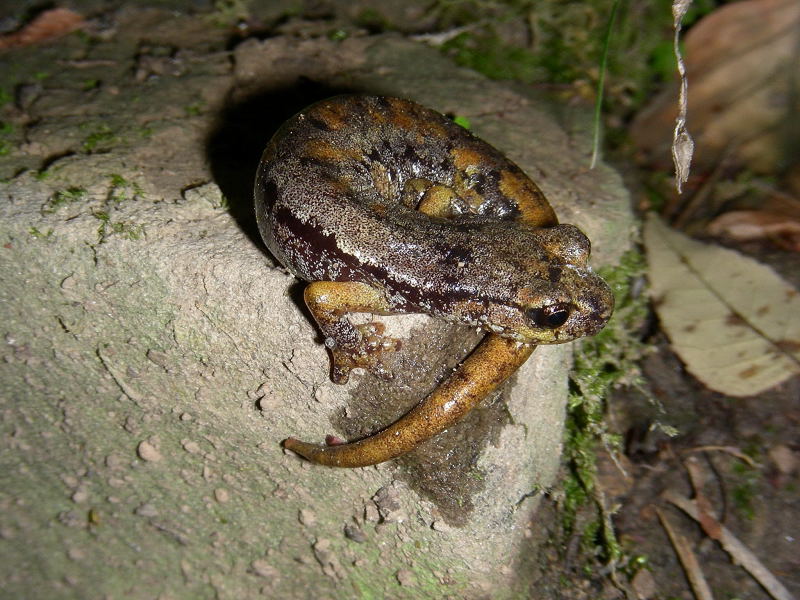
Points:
(576, 494)
(6, 130)
(476, 474)
(608, 360)
(562, 43)
(102, 137)
(488, 54)
(230, 12)
(71, 195)
(632, 564)
(108, 228)
(372, 20)
(122, 190)
(194, 109)
(223, 204)
(337, 35)
(34, 231)
(745, 489)
(564, 38)
(84, 37)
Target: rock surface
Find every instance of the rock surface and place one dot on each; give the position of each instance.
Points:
(155, 355)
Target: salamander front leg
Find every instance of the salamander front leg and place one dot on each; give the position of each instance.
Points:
(490, 364)
(351, 346)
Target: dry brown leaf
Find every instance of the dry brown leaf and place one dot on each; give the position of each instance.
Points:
(733, 321)
(682, 142)
(644, 584)
(741, 62)
(47, 25)
(749, 225)
(784, 459)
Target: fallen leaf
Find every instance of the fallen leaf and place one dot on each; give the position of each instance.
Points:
(741, 62)
(784, 458)
(749, 225)
(47, 25)
(733, 321)
(644, 584)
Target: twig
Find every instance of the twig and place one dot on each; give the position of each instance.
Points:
(126, 389)
(688, 560)
(738, 551)
(732, 450)
(441, 37)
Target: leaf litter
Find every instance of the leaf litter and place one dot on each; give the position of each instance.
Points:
(733, 321)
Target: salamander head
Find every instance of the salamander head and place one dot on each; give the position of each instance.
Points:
(558, 297)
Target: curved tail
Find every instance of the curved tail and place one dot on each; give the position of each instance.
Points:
(493, 361)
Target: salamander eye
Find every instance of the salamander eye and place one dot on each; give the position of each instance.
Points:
(550, 317)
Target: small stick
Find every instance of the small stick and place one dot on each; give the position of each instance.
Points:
(688, 559)
(118, 379)
(740, 553)
(732, 450)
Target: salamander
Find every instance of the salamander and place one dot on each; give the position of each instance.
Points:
(385, 206)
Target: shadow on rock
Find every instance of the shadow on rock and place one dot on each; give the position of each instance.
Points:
(241, 133)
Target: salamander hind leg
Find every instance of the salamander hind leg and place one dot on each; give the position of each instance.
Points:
(351, 346)
(433, 199)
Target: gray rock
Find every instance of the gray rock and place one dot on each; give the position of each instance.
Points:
(154, 353)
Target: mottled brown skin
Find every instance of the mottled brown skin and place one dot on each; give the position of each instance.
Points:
(389, 207)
